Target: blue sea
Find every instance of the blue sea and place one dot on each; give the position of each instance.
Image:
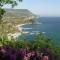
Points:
(50, 26)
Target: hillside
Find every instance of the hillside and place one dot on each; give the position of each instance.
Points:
(17, 14)
(14, 17)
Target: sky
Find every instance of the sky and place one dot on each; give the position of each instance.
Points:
(40, 7)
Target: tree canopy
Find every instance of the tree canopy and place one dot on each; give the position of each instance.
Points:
(4, 2)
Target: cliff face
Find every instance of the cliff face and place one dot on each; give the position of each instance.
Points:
(17, 14)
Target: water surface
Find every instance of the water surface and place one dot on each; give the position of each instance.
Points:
(50, 26)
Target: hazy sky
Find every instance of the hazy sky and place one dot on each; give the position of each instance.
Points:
(41, 7)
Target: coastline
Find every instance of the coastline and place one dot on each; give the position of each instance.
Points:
(19, 26)
(17, 34)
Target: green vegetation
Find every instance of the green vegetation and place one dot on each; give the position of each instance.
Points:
(39, 42)
(2, 11)
(4, 2)
(9, 26)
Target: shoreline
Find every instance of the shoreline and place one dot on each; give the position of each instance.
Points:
(17, 34)
(19, 26)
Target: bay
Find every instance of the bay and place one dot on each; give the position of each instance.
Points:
(50, 26)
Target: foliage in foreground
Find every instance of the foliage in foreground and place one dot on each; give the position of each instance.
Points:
(4, 2)
(40, 42)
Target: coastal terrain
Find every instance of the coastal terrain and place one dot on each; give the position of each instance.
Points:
(13, 19)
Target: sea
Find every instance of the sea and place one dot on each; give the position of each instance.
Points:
(49, 26)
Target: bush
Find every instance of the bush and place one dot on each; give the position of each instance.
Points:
(41, 43)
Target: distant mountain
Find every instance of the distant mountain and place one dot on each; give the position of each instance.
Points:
(18, 13)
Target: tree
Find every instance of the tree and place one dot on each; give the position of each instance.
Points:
(2, 11)
(42, 41)
(4, 2)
